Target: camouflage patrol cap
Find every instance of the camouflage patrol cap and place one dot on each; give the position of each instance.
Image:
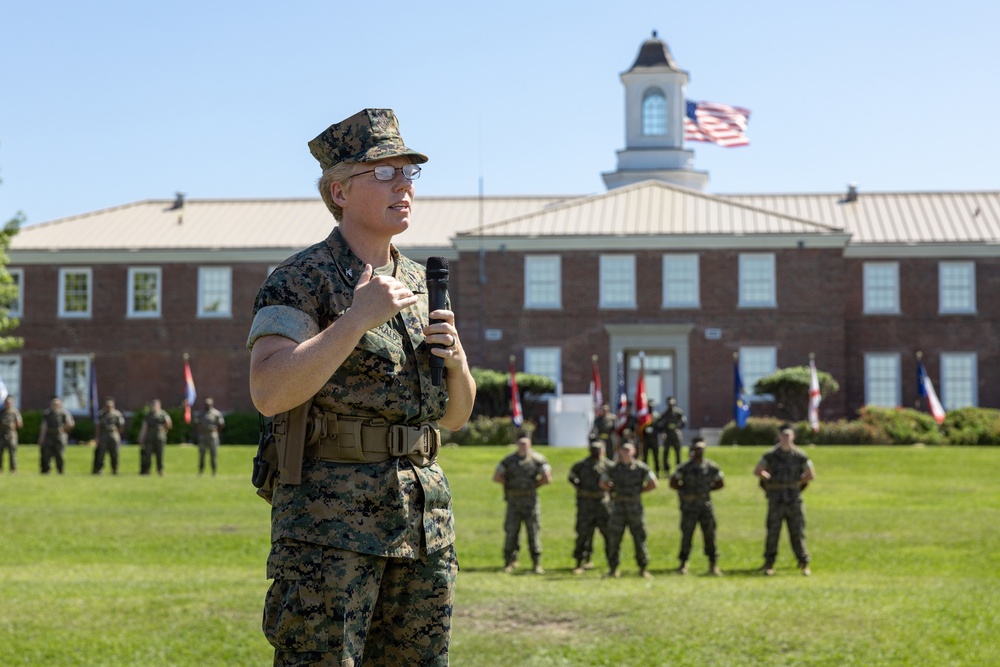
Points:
(369, 135)
(698, 444)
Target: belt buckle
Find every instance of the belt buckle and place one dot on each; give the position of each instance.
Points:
(399, 441)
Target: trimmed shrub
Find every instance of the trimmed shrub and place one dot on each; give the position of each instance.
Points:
(487, 431)
(972, 426)
(758, 431)
(242, 428)
(901, 426)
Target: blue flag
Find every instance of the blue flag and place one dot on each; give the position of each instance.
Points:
(741, 407)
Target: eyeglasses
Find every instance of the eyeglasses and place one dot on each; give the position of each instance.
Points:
(384, 172)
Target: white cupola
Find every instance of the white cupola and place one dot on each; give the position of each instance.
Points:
(654, 122)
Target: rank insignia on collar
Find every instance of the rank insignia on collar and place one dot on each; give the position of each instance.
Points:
(350, 273)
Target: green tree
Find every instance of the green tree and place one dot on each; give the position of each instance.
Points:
(8, 290)
(790, 388)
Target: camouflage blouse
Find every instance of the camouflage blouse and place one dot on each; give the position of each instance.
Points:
(364, 508)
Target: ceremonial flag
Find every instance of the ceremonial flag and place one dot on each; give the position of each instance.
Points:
(189, 392)
(642, 416)
(814, 396)
(622, 418)
(515, 399)
(716, 123)
(926, 389)
(741, 407)
(93, 390)
(595, 386)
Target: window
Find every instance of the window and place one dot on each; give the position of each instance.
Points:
(755, 363)
(542, 281)
(680, 281)
(882, 380)
(17, 280)
(617, 281)
(958, 380)
(10, 374)
(957, 287)
(144, 292)
(545, 361)
(74, 292)
(654, 113)
(881, 285)
(73, 381)
(757, 281)
(215, 293)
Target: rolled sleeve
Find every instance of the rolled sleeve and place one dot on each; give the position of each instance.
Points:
(282, 321)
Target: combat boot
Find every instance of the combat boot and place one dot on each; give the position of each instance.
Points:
(613, 574)
(805, 569)
(510, 567)
(579, 567)
(713, 569)
(683, 569)
(645, 574)
(768, 569)
(537, 569)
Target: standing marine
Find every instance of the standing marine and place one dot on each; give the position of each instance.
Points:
(521, 473)
(627, 479)
(694, 480)
(592, 505)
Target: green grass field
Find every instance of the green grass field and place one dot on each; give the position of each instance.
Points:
(905, 541)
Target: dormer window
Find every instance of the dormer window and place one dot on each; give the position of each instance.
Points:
(654, 113)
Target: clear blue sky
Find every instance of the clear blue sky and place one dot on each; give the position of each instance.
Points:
(104, 103)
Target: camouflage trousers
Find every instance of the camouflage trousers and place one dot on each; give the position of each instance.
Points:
(792, 514)
(329, 607)
(591, 514)
(627, 514)
(208, 444)
(10, 447)
(52, 451)
(106, 448)
(151, 449)
(671, 443)
(693, 515)
(528, 511)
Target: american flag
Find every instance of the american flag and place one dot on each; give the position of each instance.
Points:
(926, 389)
(716, 123)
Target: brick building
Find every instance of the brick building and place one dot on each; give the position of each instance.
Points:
(654, 266)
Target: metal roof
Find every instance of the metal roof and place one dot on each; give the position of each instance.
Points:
(894, 217)
(254, 223)
(652, 208)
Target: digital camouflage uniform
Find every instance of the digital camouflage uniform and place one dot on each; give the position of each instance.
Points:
(209, 423)
(593, 505)
(9, 419)
(359, 542)
(57, 424)
(696, 480)
(651, 445)
(521, 474)
(670, 424)
(603, 429)
(626, 510)
(110, 440)
(154, 442)
(784, 501)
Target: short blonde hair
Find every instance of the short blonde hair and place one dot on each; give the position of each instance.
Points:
(338, 173)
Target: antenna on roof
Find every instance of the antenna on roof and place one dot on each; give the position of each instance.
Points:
(178, 205)
(851, 196)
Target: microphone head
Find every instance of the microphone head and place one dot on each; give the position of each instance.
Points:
(437, 268)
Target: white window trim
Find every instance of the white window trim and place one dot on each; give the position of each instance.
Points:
(67, 271)
(133, 271)
(944, 310)
(869, 356)
(538, 261)
(772, 300)
(946, 401)
(869, 309)
(696, 279)
(227, 310)
(19, 311)
(61, 361)
(557, 352)
(14, 384)
(748, 379)
(605, 304)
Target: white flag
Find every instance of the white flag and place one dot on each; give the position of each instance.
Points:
(814, 396)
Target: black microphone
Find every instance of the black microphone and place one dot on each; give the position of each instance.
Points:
(437, 299)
